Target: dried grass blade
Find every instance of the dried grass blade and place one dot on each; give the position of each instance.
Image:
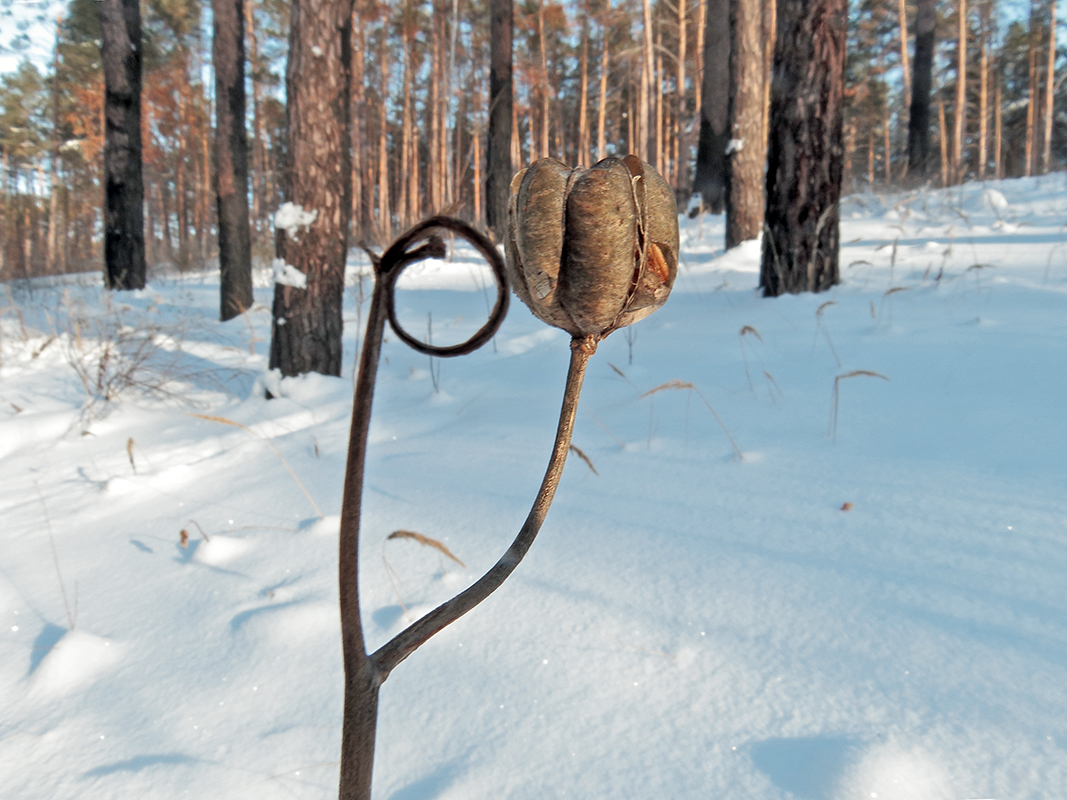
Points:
(588, 462)
(425, 541)
(277, 452)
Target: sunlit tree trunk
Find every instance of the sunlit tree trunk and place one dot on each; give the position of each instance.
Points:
(959, 118)
(942, 139)
(385, 220)
(905, 68)
(259, 198)
(1031, 106)
(602, 99)
(747, 147)
(583, 98)
(1050, 86)
(998, 144)
(307, 323)
(681, 147)
(983, 89)
(120, 53)
(801, 240)
(499, 166)
(644, 111)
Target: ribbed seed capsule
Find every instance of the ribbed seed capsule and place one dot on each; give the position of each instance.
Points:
(592, 250)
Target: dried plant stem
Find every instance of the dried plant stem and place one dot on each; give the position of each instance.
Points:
(71, 616)
(273, 447)
(365, 673)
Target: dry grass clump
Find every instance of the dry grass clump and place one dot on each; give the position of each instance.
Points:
(677, 385)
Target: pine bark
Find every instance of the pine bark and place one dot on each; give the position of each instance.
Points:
(681, 146)
(120, 54)
(645, 123)
(231, 158)
(748, 148)
(801, 241)
(307, 324)
(983, 89)
(1050, 85)
(710, 178)
(905, 67)
(960, 113)
(921, 86)
(1031, 106)
(602, 100)
(498, 145)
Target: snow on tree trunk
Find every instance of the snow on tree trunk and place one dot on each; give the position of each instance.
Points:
(313, 227)
(747, 146)
(801, 239)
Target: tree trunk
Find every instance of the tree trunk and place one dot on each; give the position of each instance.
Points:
(544, 148)
(259, 201)
(921, 85)
(1031, 106)
(1050, 86)
(959, 118)
(681, 149)
(983, 88)
(583, 100)
(801, 240)
(602, 100)
(231, 158)
(748, 148)
(998, 143)
(942, 138)
(120, 54)
(905, 68)
(307, 325)
(385, 219)
(644, 121)
(710, 179)
(498, 146)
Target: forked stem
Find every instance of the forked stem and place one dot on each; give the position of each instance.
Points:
(364, 674)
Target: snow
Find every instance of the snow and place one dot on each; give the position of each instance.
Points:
(291, 217)
(879, 613)
(288, 275)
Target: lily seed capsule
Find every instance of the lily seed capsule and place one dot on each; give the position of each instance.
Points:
(592, 250)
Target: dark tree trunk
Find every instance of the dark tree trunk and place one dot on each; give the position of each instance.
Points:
(921, 84)
(801, 241)
(120, 54)
(306, 330)
(231, 158)
(710, 179)
(499, 168)
(748, 153)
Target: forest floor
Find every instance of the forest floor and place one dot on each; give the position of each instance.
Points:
(851, 588)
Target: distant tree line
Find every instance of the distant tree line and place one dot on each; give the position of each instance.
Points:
(590, 79)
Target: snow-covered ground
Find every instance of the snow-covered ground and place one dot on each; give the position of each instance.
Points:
(870, 603)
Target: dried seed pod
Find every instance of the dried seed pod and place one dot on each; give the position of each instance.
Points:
(592, 250)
